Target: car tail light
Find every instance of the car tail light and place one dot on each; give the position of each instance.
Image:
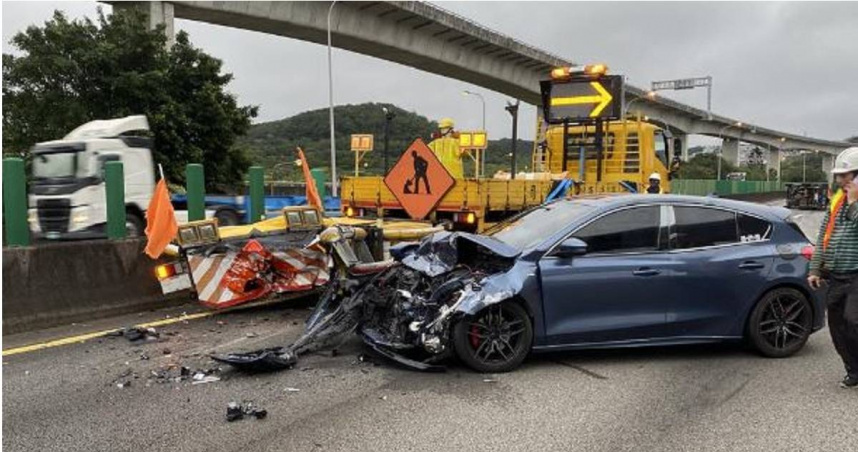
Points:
(807, 251)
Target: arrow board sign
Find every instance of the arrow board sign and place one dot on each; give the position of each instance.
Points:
(582, 99)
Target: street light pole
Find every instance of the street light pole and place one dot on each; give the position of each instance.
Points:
(483, 100)
(388, 117)
(331, 107)
(513, 111)
(780, 156)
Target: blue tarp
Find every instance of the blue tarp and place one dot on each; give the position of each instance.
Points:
(273, 204)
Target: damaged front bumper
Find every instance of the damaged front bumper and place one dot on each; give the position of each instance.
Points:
(407, 312)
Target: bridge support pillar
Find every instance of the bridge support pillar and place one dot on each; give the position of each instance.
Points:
(730, 150)
(157, 13)
(680, 147)
(773, 162)
(827, 166)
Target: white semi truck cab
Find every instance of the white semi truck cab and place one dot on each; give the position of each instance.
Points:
(67, 192)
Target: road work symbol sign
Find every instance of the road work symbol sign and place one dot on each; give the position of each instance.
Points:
(581, 99)
(418, 180)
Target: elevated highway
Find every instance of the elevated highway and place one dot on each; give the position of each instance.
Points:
(430, 38)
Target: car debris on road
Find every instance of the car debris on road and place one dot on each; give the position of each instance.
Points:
(136, 334)
(236, 411)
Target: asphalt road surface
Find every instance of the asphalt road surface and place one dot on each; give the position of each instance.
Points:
(712, 398)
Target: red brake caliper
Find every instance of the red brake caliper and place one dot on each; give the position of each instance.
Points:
(475, 340)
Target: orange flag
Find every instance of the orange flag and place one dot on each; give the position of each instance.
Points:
(313, 197)
(161, 225)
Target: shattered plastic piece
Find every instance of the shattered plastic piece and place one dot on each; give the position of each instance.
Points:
(134, 334)
(265, 360)
(258, 413)
(417, 365)
(291, 390)
(236, 411)
(205, 379)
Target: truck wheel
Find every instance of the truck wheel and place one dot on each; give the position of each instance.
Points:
(227, 217)
(496, 339)
(134, 225)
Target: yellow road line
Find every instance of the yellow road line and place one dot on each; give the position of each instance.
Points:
(85, 337)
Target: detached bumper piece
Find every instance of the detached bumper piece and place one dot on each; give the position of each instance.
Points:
(265, 360)
(396, 357)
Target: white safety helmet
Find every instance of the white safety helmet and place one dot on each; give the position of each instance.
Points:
(846, 162)
(655, 176)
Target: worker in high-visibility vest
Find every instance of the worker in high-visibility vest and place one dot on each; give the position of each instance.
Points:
(835, 261)
(445, 145)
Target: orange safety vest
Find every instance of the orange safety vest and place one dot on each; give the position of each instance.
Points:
(836, 204)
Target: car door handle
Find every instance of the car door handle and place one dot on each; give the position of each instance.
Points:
(646, 272)
(751, 265)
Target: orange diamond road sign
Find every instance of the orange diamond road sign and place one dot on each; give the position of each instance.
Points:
(419, 180)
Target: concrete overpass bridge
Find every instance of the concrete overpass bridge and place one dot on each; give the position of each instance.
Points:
(427, 37)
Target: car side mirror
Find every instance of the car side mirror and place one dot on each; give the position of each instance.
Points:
(570, 247)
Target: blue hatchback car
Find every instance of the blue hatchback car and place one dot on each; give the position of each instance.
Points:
(633, 270)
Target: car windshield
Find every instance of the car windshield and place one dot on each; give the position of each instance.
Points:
(53, 165)
(538, 224)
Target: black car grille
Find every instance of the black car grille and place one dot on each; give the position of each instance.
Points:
(54, 214)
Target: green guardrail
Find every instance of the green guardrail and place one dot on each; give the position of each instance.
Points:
(723, 187)
(196, 190)
(15, 222)
(114, 187)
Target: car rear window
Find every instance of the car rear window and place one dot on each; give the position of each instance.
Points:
(697, 227)
(753, 229)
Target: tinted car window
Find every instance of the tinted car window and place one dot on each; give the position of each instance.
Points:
(628, 230)
(752, 229)
(700, 226)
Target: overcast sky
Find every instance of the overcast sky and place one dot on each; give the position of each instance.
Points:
(789, 66)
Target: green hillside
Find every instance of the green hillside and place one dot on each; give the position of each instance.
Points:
(273, 143)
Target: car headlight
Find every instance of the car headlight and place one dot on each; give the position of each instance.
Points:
(80, 215)
(197, 233)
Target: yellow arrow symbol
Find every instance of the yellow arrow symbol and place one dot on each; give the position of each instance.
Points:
(603, 99)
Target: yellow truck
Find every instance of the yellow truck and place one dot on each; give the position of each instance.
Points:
(631, 151)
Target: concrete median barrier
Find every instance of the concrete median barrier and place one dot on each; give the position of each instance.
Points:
(58, 283)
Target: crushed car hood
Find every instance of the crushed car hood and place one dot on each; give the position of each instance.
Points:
(439, 253)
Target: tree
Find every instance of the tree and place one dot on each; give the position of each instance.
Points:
(704, 166)
(793, 168)
(71, 72)
(852, 139)
(272, 144)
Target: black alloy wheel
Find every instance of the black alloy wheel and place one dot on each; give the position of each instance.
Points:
(496, 339)
(781, 323)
